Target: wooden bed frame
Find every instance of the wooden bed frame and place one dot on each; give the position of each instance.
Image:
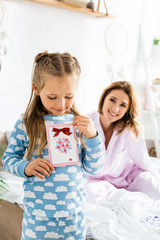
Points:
(10, 220)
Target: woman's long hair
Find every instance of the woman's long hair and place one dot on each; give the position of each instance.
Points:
(130, 118)
(54, 64)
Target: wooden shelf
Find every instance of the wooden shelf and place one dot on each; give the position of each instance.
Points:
(71, 7)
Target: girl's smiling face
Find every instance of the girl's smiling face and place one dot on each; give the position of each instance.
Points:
(58, 94)
(115, 106)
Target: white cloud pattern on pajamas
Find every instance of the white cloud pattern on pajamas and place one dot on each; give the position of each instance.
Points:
(30, 233)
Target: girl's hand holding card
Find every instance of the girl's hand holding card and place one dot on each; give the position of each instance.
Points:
(84, 124)
(38, 167)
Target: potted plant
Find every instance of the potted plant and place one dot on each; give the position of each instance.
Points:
(3, 186)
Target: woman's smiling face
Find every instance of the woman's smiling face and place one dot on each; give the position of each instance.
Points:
(115, 105)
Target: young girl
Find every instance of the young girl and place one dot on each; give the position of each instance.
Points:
(54, 197)
(127, 163)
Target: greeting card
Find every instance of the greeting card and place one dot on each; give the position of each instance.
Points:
(62, 144)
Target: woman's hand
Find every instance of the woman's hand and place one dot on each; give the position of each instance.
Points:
(38, 166)
(84, 124)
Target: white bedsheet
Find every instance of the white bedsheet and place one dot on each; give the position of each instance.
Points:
(123, 219)
(122, 214)
(15, 187)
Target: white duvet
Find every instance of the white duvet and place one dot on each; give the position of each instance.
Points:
(122, 215)
(15, 191)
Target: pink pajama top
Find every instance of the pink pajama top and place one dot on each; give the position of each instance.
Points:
(125, 156)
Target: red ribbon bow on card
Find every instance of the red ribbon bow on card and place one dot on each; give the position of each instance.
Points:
(58, 130)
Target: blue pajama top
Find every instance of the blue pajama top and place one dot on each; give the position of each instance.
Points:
(62, 194)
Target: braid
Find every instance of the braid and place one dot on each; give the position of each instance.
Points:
(41, 56)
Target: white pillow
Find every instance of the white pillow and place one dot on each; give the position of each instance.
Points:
(8, 134)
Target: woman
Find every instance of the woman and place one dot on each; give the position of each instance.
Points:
(127, 163)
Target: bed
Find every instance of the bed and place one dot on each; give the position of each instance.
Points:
(122, 215)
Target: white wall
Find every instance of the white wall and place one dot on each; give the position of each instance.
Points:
(33, 28)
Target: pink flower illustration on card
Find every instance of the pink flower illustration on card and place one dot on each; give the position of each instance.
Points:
(63, 145)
